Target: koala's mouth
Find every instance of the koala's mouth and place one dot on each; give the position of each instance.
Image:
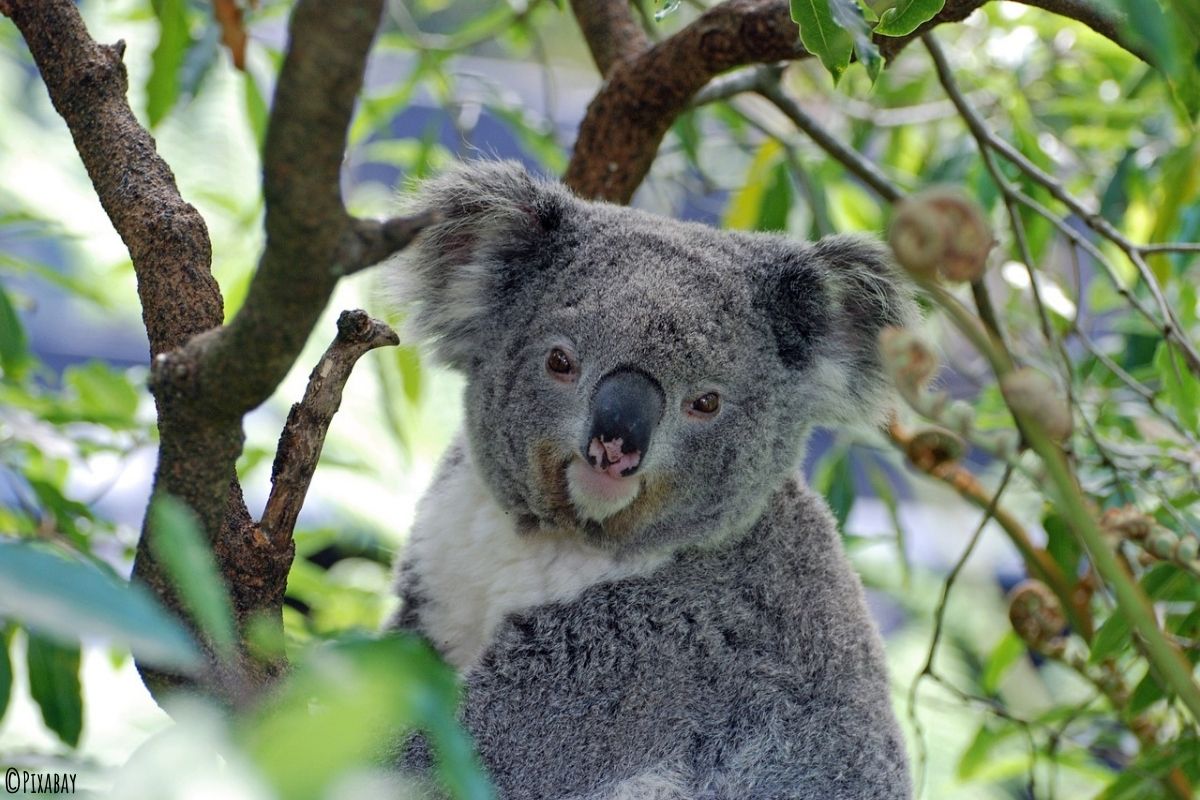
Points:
(596, 494)
(603, 508)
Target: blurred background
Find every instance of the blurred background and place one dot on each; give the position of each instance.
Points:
(450, 80)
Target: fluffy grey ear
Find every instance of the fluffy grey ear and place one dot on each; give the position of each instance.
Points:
(827, 304)
(492, 240)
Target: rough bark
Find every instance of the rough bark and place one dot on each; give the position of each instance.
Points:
(205, 377)
(646, 89)
(308, 421)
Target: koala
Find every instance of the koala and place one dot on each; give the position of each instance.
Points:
(619, 555)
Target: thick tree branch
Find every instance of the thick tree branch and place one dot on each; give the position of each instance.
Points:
(306, 222)
(611, 32)
(204, 377)
(308, 421)
(644, 94)
(167, 238)
(627, 119)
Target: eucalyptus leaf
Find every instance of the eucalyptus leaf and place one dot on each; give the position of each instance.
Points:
(849, 15)
(822, 36)
(14, 347)
(907, 15)
(6, 672)
(179, 546)
(67, 598)
(55, 687)
(162, 87)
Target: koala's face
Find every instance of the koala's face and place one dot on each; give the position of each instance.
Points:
(633, 380)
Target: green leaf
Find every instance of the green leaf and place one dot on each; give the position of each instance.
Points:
(179, 546)
(1005, 654)
(162, 88)
(979, 752)
(1061, 543)
(6, 671)
(69, 598)
(907, 15)
(343, 700)
(776, 201)
(849, 15)
(834, 478)
(14, 348)
(821, 36)
(1111, 638)
(1145, 694)
(104, 394)
(256, 108)
(408, 359)
(1181, 386)
(54, 684)
(745, 208)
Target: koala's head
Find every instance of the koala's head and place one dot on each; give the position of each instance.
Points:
(634, 380)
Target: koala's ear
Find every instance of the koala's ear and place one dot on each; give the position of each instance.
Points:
(827, 304)
(493, 238)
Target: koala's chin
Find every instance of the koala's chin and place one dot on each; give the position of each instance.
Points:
(598, 495)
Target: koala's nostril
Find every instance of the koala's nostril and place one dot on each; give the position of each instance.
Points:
(610, 456)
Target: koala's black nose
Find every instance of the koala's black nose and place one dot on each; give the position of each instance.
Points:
(626, 407)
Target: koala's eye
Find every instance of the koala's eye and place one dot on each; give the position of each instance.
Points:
(560, 365)
(706, 405)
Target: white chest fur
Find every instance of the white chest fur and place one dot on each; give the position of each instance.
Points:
(473, 569)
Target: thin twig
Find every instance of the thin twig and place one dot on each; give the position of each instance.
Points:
(939, 618)
(1169, 325)
(870, 174)
(304, 432)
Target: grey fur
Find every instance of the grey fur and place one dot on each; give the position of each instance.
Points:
(741, 662)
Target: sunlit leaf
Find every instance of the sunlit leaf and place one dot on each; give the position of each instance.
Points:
(343, 701)
(1007, 652)
(907, 15)
(822, 36)
(745, 208)
(162, 88)
(849, 15)
(54, 685)
(256, 108)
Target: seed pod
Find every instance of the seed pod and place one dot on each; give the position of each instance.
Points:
(1162, 543)
(906, 356)
(1035, 613)
(1126, 522)
(932, 447)
(969, 240)
(1187, 550)
(941, 229)
(917, 238)
(1028, 391)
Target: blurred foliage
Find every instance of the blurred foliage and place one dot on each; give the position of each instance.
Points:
(993, 714)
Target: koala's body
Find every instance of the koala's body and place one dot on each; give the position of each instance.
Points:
(619, 556)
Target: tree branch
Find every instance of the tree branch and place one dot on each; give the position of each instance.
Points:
(1169, 325)
(642, 96)
(308, 421)
(768, 86)
(646, 90)
(204, 377)
(611, 32)
(167, 238)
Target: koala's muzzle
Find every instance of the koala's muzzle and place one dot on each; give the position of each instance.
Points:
(626, 407)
